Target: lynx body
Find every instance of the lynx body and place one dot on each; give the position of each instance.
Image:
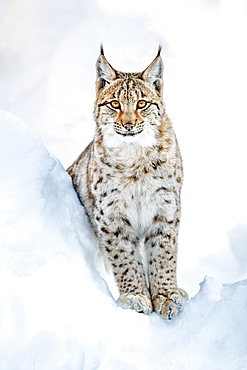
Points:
(129, 180)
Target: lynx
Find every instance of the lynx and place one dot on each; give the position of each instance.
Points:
(129, 180)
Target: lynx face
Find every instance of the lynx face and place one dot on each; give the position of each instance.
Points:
(129, 105)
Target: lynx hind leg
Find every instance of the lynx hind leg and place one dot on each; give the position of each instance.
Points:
(138, 302)
(170, 304)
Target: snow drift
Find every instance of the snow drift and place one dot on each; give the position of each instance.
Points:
(57, 313)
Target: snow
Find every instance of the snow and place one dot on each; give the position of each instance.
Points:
(56, 311)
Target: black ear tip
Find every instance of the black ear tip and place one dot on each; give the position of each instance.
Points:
(159, 51)
(101, 49)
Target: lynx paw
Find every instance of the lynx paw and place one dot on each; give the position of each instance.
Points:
(138, 302)
(169, 305)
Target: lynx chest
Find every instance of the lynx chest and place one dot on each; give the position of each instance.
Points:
(137, 193)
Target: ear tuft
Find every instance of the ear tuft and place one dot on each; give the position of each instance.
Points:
(159, 51)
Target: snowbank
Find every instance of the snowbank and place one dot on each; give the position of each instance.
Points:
(57, 313)
(46, 254)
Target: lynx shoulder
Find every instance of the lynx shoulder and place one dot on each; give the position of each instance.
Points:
(129, 180)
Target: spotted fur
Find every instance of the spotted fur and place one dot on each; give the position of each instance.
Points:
(129, 180)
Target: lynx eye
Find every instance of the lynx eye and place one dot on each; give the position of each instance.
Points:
(115, 104)
(141, 104)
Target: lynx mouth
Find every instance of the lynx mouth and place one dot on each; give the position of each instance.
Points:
(130, 133)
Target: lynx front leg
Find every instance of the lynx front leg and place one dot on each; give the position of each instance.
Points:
(121, 247)
(161, 244)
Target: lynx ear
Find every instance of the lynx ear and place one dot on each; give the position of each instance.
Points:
(153, 73)
(105, 72)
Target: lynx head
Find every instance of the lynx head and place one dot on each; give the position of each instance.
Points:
(129, 106)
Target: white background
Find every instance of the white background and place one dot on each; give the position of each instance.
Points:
(48, 51)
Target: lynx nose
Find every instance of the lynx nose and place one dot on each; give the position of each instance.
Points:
(129, 126)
